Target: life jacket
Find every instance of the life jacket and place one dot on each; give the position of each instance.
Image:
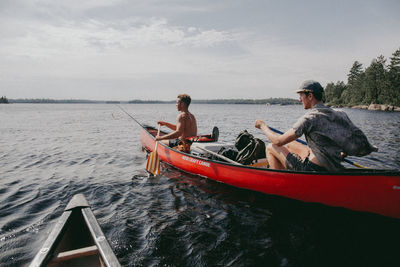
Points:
(205, 138)
(200, 138)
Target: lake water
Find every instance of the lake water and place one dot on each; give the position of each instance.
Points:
(49, 152)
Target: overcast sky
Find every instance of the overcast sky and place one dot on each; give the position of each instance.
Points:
(156, 49)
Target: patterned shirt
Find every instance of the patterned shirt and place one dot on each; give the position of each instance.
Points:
(328, 133)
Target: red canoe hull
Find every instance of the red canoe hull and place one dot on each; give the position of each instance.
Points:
(376, 192)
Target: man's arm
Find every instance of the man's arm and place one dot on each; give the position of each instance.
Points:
(169, 125)
(178, 129)
(275, 138)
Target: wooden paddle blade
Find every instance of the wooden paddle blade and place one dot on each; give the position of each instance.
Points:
(153, 164)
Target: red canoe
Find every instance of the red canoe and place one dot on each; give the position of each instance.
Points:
(375, 191)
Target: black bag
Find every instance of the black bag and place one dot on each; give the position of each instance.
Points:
(249, 148)
(229, 153)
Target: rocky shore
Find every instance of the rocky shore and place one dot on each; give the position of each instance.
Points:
(378, 107)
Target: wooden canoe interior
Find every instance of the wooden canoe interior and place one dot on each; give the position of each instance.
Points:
(76, 246)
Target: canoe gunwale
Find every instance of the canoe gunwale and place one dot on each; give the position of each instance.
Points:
(99, 238)
(46, 251)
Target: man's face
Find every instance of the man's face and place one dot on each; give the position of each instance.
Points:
(305, 99)
(179, 104)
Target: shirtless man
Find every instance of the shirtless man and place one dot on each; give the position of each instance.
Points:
(186, 125)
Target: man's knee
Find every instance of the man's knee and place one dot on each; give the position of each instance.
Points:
(269, 148)
(277, 151)
(272, 149)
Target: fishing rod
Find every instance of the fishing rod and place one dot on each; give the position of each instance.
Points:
(304, 143)
(130, 116)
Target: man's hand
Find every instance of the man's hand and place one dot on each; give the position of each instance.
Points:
(158, 138)
(260, 124)
(162, 123)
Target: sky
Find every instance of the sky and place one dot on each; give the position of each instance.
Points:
(209, 49)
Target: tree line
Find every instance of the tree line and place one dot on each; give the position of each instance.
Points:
(3, 100)
(54, 101)
(268, 101)
(379, 83)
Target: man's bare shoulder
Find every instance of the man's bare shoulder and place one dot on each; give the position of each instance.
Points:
(185, 116)
(181, 117)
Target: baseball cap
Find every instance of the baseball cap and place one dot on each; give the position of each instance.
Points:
(310, 86)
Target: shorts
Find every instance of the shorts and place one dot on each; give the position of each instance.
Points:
(295, 163)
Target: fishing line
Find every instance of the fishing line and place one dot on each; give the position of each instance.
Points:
(130, 116)
(134, 176)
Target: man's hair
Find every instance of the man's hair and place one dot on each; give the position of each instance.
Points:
(317, 95)
(185, 99)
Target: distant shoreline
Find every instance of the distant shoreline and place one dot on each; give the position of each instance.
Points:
(269, 101)
(376, 107)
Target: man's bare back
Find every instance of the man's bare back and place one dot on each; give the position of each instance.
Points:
(189, 125)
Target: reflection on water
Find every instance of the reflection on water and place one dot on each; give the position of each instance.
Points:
(51, 152)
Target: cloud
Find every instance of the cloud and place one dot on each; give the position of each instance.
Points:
(91, 36)
(104, 54)
(153, 44)
(210, 49)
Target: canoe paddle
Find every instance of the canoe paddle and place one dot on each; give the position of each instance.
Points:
(304, 143)
(153, 162)
(218, 155)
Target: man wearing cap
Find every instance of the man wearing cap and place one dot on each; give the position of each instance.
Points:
(329, 133)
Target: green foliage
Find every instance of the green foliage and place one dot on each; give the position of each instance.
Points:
(394, 77)
(355, 72)
(379, 83)
(3, 100)
(53, 101)
(374, 81)
(334, 92)
(270, 101)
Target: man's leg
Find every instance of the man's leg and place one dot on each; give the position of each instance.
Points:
(299, 149)
(276, 155)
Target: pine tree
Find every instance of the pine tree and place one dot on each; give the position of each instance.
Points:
(355, 92)
(394, 78)
(375, 81)
(333, 93)
(355, 73)
(3, 100)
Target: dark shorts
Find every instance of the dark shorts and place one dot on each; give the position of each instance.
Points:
(295, 163)
(174, 142)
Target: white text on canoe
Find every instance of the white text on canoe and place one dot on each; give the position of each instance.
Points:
(196, 161)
